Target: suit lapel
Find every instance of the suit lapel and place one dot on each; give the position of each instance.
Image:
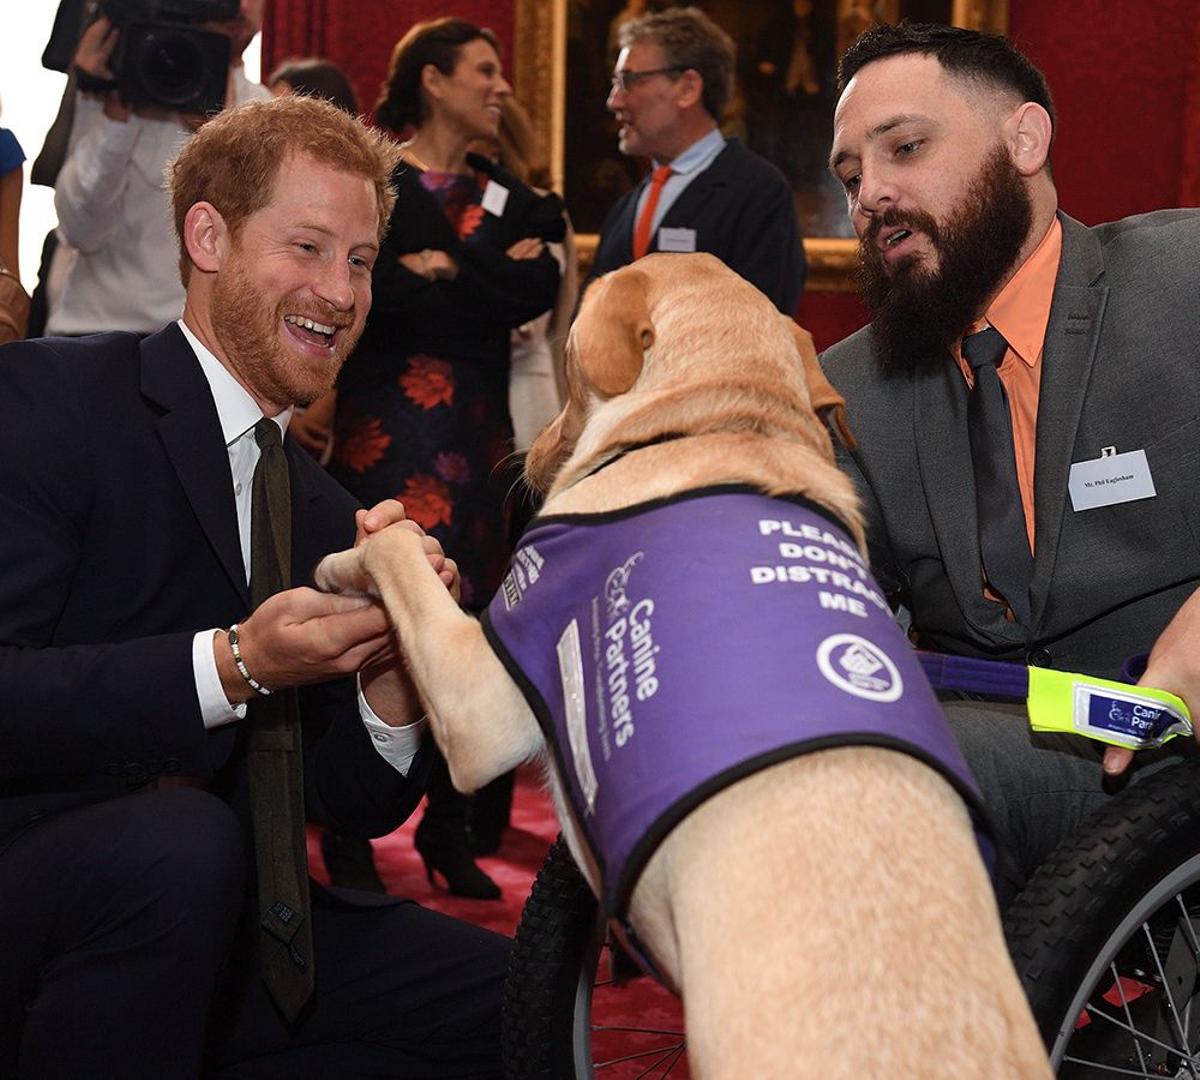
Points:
(308, 543)
(1076, 316)
(687, 209)
(191, 436)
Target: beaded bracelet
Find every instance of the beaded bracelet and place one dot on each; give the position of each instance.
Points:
(254, 684)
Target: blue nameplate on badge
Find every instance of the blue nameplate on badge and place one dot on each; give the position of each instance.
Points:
(681, 241)
(1111, 479)
(1137, 724)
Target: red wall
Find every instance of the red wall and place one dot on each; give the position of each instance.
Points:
(358, 35)
(1119, 73)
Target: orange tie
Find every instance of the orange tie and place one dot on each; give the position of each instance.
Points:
(641, 231)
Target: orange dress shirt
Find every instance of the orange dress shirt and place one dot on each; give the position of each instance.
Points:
(1020, 313)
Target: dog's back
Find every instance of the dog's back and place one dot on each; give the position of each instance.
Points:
(830, 915)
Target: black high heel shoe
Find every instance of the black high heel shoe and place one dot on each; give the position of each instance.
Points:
(489, 813)
(451, 858)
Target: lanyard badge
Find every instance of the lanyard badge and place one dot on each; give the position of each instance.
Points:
(1135, 717)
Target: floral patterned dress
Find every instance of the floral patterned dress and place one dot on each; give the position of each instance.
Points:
(423, 403)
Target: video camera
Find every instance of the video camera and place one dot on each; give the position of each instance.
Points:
(163, 57)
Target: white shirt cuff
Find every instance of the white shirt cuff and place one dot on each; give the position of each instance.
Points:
(215, 709)
(396, 745)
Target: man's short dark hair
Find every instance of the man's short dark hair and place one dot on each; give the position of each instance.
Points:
(690, 40)
(990, 59)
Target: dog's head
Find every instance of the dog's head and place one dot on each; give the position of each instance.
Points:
(650, 337)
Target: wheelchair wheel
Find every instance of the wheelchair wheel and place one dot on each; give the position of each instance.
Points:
(551, 988)
(1106, 936)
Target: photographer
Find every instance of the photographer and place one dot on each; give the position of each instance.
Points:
(111, 195)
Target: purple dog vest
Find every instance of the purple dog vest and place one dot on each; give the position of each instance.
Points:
(675, 647)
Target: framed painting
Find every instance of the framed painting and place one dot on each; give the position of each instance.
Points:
(783, 107)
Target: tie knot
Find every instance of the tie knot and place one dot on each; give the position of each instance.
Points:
(660, 175)
(267, 434)
(984, 349)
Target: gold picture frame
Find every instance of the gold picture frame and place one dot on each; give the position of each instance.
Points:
(551, 93)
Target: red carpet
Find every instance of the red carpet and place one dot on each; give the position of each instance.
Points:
(640, 1003)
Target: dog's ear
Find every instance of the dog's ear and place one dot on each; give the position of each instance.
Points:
(552, 447)
(614, 331)
(827, 403)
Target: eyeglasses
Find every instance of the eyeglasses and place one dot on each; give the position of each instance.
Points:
(623, 80)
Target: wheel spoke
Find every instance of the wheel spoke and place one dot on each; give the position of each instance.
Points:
(1128, 1015)
(1185, 919)
(639, 1030)
(635, 1055)
(668, 1061)
(1116, 1070)
(1183, 1050)
(1137, 1035)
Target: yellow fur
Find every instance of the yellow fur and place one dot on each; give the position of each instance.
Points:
(829, 916)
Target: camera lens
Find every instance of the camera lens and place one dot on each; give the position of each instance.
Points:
(171, 66)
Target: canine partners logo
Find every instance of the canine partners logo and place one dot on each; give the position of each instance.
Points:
(858, 667)
(616, 584)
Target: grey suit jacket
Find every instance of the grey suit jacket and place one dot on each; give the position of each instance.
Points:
(1120, 368)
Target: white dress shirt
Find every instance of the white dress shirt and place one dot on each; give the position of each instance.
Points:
(238, 413)
(114, 210)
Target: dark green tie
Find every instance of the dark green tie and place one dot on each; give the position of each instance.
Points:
(273, 755)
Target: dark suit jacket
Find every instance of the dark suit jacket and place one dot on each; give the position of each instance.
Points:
(1119, 368)
(118, 543)
(743, 212)
(471, 316)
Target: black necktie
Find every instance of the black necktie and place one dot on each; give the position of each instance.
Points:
(1003, 540)
(273, 755)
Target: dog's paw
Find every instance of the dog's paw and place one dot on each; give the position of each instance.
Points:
(344, 572)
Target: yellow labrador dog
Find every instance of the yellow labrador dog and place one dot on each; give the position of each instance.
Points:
(696, 571)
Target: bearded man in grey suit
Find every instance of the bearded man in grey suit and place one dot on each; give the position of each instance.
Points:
(941, 140)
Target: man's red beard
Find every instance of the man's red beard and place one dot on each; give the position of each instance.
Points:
(249, 333)
(918, 310)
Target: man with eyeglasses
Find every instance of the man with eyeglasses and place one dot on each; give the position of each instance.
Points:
(670, 87)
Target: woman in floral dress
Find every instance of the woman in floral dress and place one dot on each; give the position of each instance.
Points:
(422, 413)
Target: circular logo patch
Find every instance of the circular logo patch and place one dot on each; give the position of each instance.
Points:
(858, 667)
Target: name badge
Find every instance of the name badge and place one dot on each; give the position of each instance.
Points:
(495, 198)
(1110, 479)
(678, 240)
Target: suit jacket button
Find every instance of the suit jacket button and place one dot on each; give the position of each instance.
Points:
(135, 768)
(114, 768)
(1039, 657)
(171, 766)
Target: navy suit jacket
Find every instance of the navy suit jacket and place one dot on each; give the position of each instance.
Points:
(118, 542)
(742, 211)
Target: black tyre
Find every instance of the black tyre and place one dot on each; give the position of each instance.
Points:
(1106, 936)
(547, 992)
(546, 1021)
